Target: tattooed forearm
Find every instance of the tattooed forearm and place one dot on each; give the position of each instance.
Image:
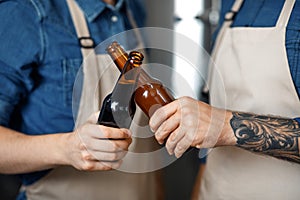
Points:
(278, 137)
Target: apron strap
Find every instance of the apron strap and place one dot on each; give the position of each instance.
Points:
(229, 17)
(83, 34)
(285, 13)
(90, 74)
(135, 28)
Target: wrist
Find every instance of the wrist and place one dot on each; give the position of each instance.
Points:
(226, 137)
(62, 147)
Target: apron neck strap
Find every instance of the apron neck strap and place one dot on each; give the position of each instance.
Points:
(285, 13)
(82, 30)
(83, 34)
(229, 17)
(135, 28)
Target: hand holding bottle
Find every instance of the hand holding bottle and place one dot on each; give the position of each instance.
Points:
(97, 147)
(187, 122)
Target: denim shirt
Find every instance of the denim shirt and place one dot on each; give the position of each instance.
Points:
(40, 56)
(264, 13)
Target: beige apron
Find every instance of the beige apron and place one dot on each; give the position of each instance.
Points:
(68, 183)
(255, 74)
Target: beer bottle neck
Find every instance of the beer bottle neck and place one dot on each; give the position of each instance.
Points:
(145, 78)
(118, 55)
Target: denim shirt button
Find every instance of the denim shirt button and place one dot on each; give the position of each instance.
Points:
(114, 18)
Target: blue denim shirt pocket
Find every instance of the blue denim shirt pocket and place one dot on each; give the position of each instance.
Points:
(70, 69)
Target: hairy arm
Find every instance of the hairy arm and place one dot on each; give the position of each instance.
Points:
(20, 153)
(88, 148)
(187, 122)
(273, 136)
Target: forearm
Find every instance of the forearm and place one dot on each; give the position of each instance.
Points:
(20, 153)
(273, 136)
(187, 122)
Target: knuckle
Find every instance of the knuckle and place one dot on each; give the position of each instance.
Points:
(86, 144)
(160, 113)
(163, 131)
(188, 140)
(184, 100)
(165, 128)
(197, 138)
(159, 139)
(173, 136)
(106, 166)
(106, 132)
(179, 150)
(122, 155)
(189, 122)
(82, 146)
(194, 135)
(179, 147)
(87, 166)
(169, 144)
(157, 136)
(122, 134)
(113, 156)
(183, 144)
(178, 116)
(114, 146)
(116, 166)
(128, 142)
(86, 157)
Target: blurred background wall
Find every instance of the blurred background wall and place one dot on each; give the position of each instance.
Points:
(196, 19)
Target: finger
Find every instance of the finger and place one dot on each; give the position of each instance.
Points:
(102, 132)
(115, 133)
(166, 128)
(110, 165)
(108, 157)
(162, 114)
(174, 138)
(101, 165)
(182, 146)
(107, 145)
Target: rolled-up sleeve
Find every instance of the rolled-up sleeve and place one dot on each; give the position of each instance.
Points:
(298, 119)
(19, 52)
(9, 96)
(5, 110)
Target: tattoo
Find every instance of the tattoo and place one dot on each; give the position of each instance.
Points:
(278, 137)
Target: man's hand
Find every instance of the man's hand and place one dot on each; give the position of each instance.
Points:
(187, 122)
(97, 147)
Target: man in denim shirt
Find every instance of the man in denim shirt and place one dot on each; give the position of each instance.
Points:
(39, 59)
(254, 79)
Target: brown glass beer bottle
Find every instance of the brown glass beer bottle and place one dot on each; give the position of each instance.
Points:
(120, 57)
(151, 94)
(118, 107)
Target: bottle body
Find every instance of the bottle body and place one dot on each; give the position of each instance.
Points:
(133, 87)
(151, 94)
(118, 107)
